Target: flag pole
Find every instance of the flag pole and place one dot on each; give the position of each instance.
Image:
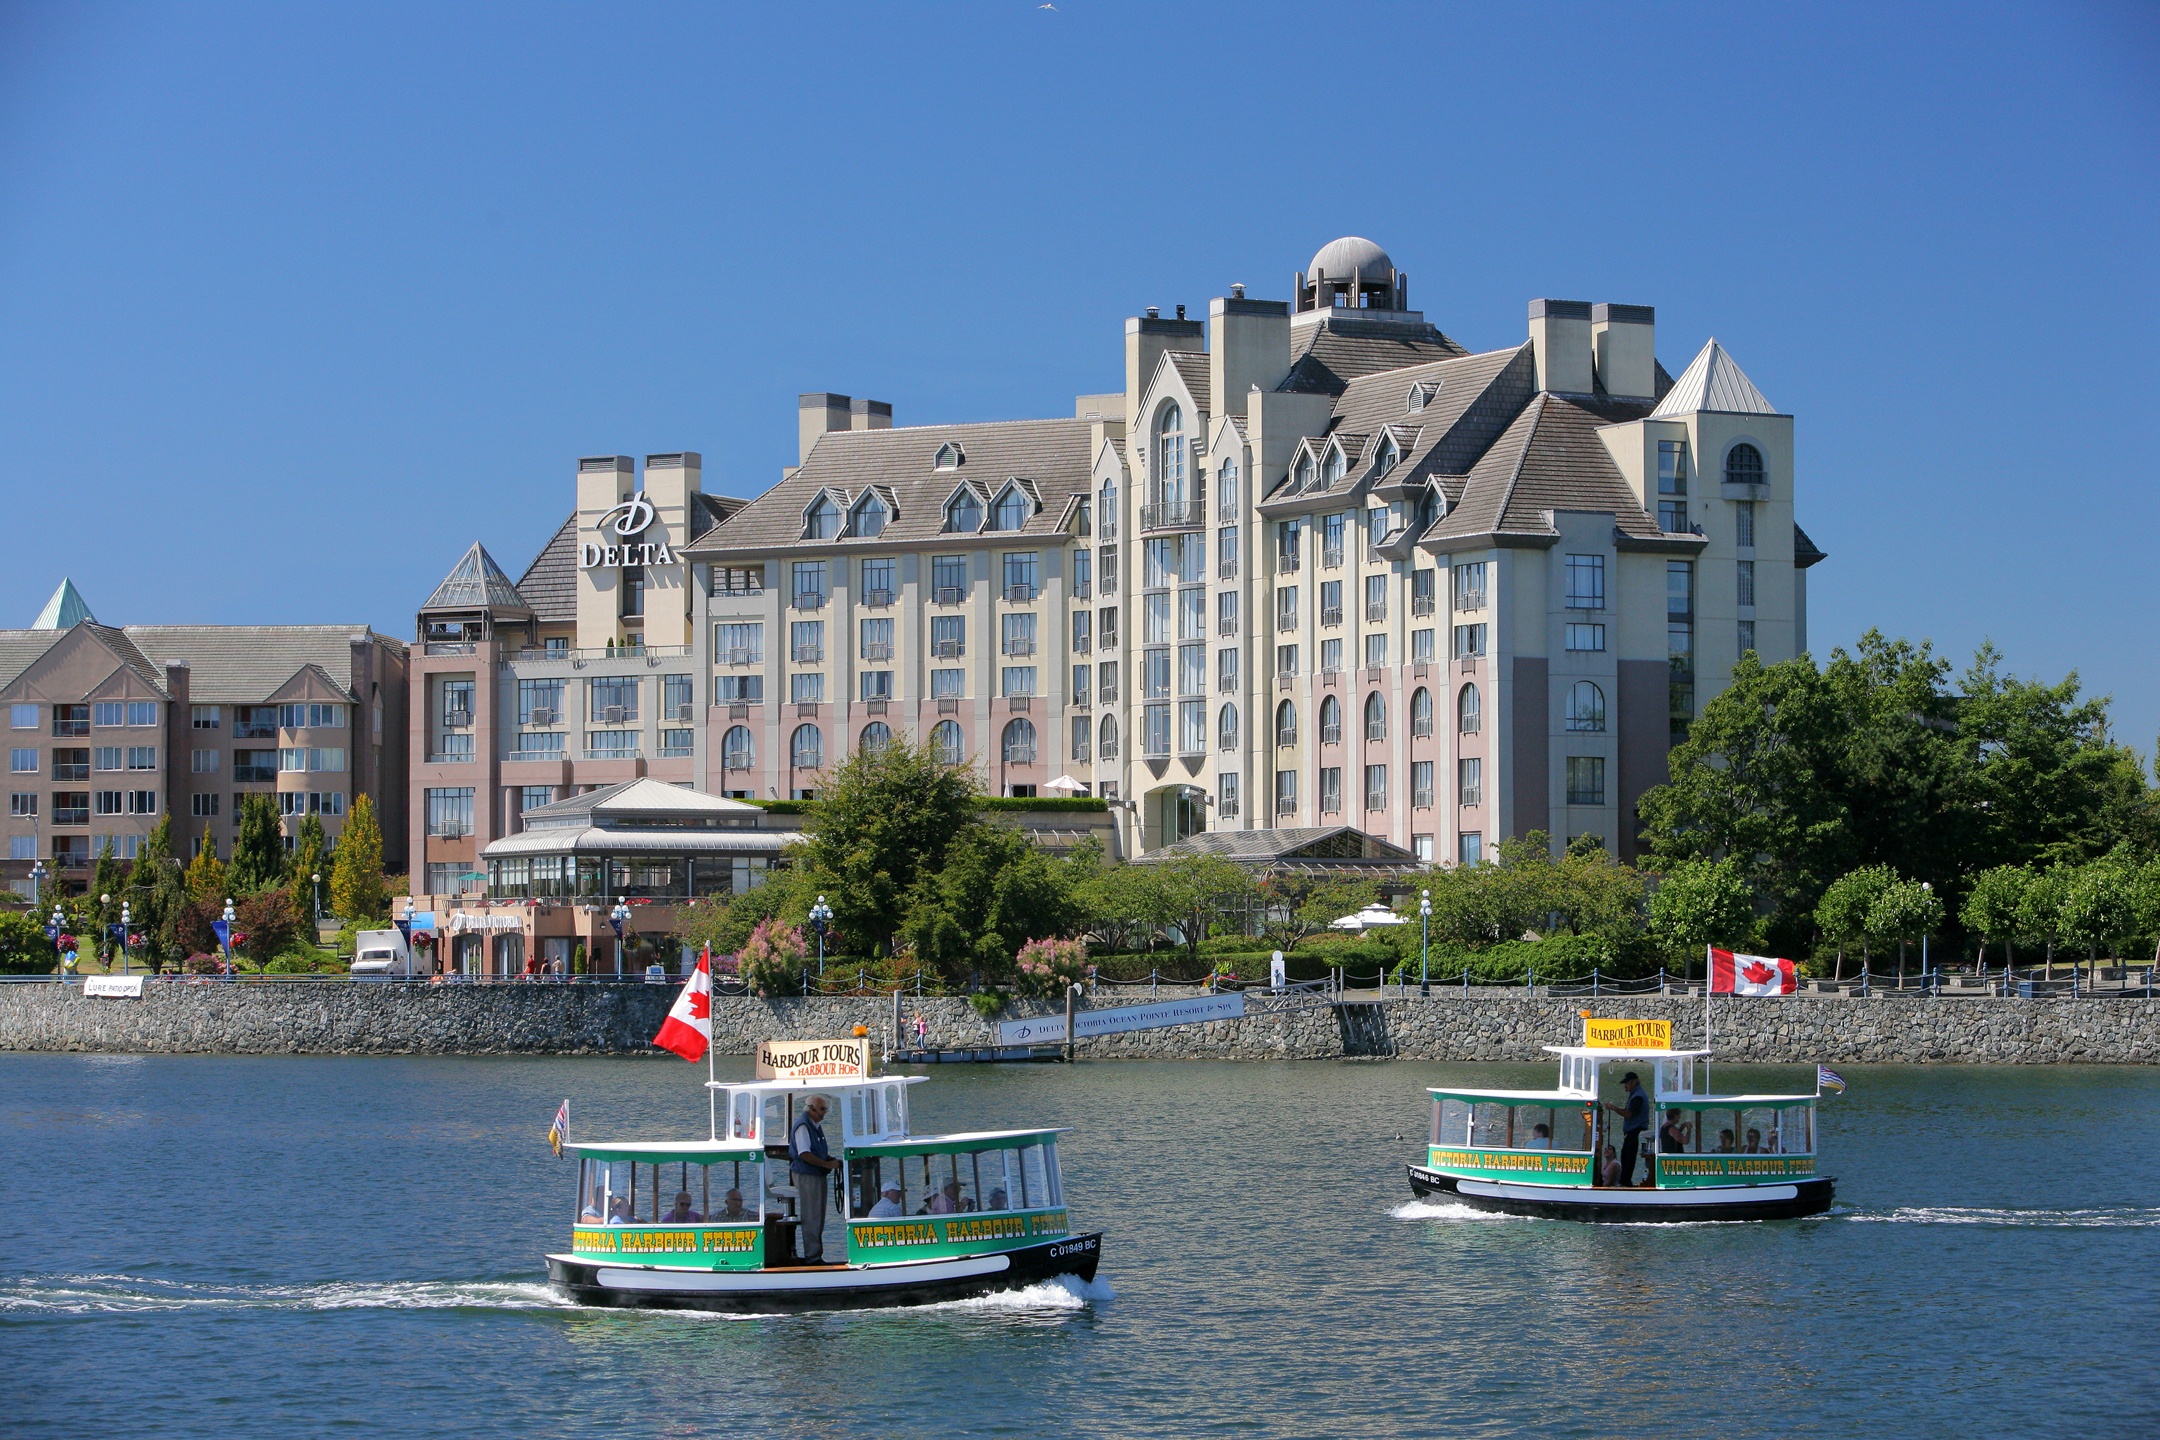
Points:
(712, 1094)
(1709, 979)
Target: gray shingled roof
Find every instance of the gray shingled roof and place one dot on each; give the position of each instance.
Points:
(20, 649)
(246, 664)
(549, 584)
(1052, 454)
(1192, 366)
(1331, 352)
(476, 582)
(1316, 846)
(1550, 459)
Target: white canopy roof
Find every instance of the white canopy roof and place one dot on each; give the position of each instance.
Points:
(566, 840)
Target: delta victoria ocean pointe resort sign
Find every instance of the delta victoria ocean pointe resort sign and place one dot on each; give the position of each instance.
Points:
(633, 517)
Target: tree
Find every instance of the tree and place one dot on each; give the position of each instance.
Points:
(258, 858)
(1700, 903)
(309, 847)
(206, 882)
(1905, 911)
(1109, 901)
(105, 881)
(2040, 908)
(1991, 908)
(2100, 907)
(995, 892)
(24, 950)
(1189, 893)
(357, 893)
(1842, 913)
(885, 821)
(266, 918)
(156, 894)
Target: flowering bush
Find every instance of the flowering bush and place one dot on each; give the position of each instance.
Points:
(772, 958)
(1045, 967)
(1222, 974)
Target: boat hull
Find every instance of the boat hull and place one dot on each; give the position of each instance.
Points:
(1781, 1201)
(760, 1292)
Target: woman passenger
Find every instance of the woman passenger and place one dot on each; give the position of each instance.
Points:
(1754, 1143)
(1725, 1143)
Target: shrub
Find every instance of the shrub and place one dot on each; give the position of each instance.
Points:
(1046, 967)
(986, 1003)
(24, 950)
(771, 960)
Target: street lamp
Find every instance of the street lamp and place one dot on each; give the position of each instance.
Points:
(104, 920)
(1930, 888)
(38, 876)
(316, 880)
(619, 917)
(59, 926)
(1424, 912)
(125, 923)
(228, 918)
(820, 920)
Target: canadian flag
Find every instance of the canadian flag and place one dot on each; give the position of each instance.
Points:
(1732, 974)
(688, 1029)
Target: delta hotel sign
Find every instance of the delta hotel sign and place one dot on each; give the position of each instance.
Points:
(633, 517)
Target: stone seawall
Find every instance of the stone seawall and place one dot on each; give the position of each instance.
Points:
(393, 1019)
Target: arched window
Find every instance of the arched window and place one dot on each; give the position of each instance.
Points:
(1170, 449)
(737, 751)
(1330, 720)
(869, 518)
(1421, 711)
(1286, 724)
(1304, 474)
(1585, 706)
(1743, 465)
(1332, 471)
(1467, 716)
(963, 514)
(876, 735)
(1226, 727)
(1018, 745)
(1106, 509)
(1226, 489)
(807, 750)
(1375, 717)
(1012, 509)
(946, 740)
(1106, 739)
(1081, 730)
(822, 520)
(1389, 454)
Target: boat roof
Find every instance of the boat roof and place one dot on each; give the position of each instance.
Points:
(814, 1085)
(696, 1152)
(962, 1140)
(1669, 1101)
(1598, 1052)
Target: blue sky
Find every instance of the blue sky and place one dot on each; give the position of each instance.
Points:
(298, 301)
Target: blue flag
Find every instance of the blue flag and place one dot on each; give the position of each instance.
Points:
(224, 933)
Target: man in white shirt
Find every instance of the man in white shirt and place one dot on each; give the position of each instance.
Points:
(888, 1204)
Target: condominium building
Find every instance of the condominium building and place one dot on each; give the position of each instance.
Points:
(1324, 566)
(112, 727)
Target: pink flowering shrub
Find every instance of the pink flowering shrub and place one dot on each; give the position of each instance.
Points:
(772, 959)
(1045, 967)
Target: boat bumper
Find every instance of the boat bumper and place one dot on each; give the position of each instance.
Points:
(1777, 1201)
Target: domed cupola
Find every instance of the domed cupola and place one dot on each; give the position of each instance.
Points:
(1352, 273)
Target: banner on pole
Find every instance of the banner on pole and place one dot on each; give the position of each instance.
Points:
(1050, 1029)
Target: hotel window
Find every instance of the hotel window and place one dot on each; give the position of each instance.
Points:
(612, 701)
(1226, 790)
(457, 709)
(1106, 679)
(203, 806)
(633, 592)
(1192, 727)
(738, 751)
(1680, 646)
(678, 742)
(877, 639)
(1330, 602)
(1330, 656)
(950, 745)
(740, 689)
(1745, 588)
(22, 847)
(1016, 680)
(1422, 647)
(806, 687)
(1375, 651)
(1470, 586)
(1226, 671)
(1424, 591)
(806, 641)
(1083, 574)
(71, 720)
(1376, 787)
(307, 717)
(1331, 540)
(1469, 642)
(540, 702)
(948, 636)
(1226, 613)
(1082, 731)
(1330, 789)
(1155, 673)
(1421, 773)
(1170, 453)
(554, 647)
(1289, 541)
(1017, 744)
(1376, 597)
(1747, 636)
(1586, 582)
(1286, 723)
(868, 521)
(1585, 707)
(1468, 714)
(822, 520)
(108, 713)
(1286, 792)
(1155, 730)
(1192, 613)
(105, 757)
(1022, 575)
(1012, 510)
(1226, 555)
(948, 579)
(25, 717)
(539, 745)
(1226, 727)
(1421, 848)
(809, 586)
(1375, 717)
(1286, 608)
(879, 582)
(1018, 634)
(1586, 780)
(1192, 670)
(1083, 631)
(948, 684)
(1106, 568)
(450, 812)
(1586, 637)
(1470, 847)
(1469, 781)
(611, 744)
(877, 684)
(1286, 660)
(1330, 720)
(1744, 465)
(738, 580)
(1744, 526)
(70, 807)
(1082, 682)
(325, 759)
(1672, 467)
(1155, 617)
(1421, 711)
(1106, 749)
(1226, 478)
(142, 757)
(676, 701)
(23, 803)
(254, 766)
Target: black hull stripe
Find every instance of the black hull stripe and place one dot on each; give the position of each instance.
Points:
(1813, 1197)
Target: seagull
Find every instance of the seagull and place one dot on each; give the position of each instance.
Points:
(1046, 7)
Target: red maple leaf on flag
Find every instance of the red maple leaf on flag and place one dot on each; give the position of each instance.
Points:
(1757, 973)
(700, 1005)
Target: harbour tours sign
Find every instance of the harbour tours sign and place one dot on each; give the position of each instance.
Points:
(1050, 1029)
(1626, 1034)
(813, 1059)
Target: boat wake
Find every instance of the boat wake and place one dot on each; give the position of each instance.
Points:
(1066, 1292)
(130, 1294)
(1446, 1210)
(2099, 1217)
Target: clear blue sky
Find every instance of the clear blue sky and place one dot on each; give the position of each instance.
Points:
(296, 301)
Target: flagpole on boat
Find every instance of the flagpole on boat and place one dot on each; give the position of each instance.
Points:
(712, 1093)
(1709, 985)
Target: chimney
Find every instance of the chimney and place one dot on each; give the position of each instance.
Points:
(1560, 331)
(1145, 341)
(1248, 349)
(817, 413)
(1621, 337)
(869, 415)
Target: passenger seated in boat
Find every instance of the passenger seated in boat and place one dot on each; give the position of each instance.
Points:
(593, 1211)
(888, 1204)
(1540, 1138)
(997, 1199)
(1672, 1136)
(1754, 1143)
(619, 1212)
(1610, 1175)
(733, 1209)
(681, 1213)
(947, 1201)
(1725, 1144)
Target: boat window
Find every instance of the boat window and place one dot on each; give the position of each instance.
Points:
(1489, 1125)
(948, 1186)
(743, 1110)
(622, 1192)
(896, 1109)
(1035, 1178)
(863, 1108)
(776, 1120)
(1690, 1130)
(1796, 1130)
(1578, 1072)
(1451, 1123)
(1675, 1077)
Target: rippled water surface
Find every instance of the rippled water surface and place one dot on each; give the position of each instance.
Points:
(293, 1247)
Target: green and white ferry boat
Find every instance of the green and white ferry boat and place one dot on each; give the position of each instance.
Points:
(1555, 1153)
(713, 1224)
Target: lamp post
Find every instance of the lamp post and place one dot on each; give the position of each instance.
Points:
(59, 928)
(619, 917)
(228, 917)
(1424, 913)
(125, 922)
(1928, 886)
(38, 874)
(820, 921)
(104, 921)
(316, 881)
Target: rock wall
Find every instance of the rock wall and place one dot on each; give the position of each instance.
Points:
(392, 1019)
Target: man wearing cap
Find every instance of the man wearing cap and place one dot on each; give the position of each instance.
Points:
(1634, 1121)
(888, 1203)
(811, 1164)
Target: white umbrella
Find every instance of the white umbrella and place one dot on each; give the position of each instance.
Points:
(1366, 918)
(1066, 785)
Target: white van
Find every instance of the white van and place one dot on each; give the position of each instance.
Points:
(382, 955)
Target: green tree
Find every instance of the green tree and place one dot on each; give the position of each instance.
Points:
(1110, 905)
(994, 892)
(310, 845)
(884, 822)
(357, 892)
(258, 858)
(1905, 912)
(156, 893)
(1990, 910)
(1842, 912)
(2040, 908)
(1700, 903)
(1188, 894)
(206, 882)
(2100, 907)
(107, 890)
(24, 950)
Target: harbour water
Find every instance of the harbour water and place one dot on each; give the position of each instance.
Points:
(298, 1247)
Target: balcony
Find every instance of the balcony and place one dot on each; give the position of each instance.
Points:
(1471, 724)
(450, 647)
(948, 705)
(1376, 800)
(1376, 610)
(877, 650)
(524, 755)
(1020, 754)
(1373, 674)
(1421, 798)
(1328, 675)
(1082, 701)
(1107, 750)
(1286, 622)
(736, 760)
(1083, 645)
(1173, 515)
(744, 655)
(740, 709)
(1226, 625)
(807, 654)
(1226, 570)
(1108, 694)
(265, 774)
(948, 595)
(1286, 805)
(1284, 739)
(806, 709)
(675, 752)
(1083, 591)
(877, 599)
(948, 649)
(80, 774)
(1286, 682)
(457, 719)
(1018, 645)
(1106, 529)
(1226, 685)
(464, 758)
(1020, 594)
(1331, 558)
(1331, 734)
(1421, 605)
(1332, 615)
(876, 707)
(616, 752)
(1109, 640)
(808, 600)
(1286, 562)
(70, 814)
(1019, 704)
(1468, 664)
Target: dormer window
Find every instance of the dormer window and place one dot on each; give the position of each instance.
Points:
(1012, 509)
(869, 518)
(963, 513)
(1388, 454)
(1303, 476)
(950, 456)
(1420, 394)
(822, 520)
(1332, 470)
